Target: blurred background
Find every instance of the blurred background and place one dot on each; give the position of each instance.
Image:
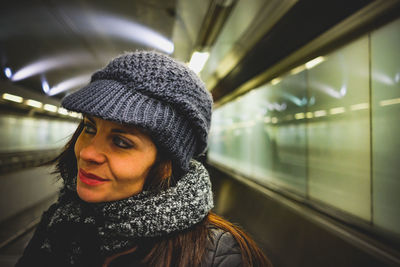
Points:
(303, 147)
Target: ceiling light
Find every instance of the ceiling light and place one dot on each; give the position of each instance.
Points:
(132, 31)
(298, 69)
(312, 63)
(45, 86)
(198, 60)
(74, 114)
(117, 26)
(50, 108)
(8, 72)
(69, 84)
(320, 113)
(337, 110)
(360, 106)
(276, 81)
(33, 103)
(62, 111)
(299, 116)
(13, 98)
(389, 102)
(54, 62)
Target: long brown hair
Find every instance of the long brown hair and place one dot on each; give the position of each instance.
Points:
(184, 248)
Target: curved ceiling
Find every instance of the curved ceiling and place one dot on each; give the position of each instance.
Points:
(51, 46)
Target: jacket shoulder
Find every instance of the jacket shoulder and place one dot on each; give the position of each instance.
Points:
(222, 249)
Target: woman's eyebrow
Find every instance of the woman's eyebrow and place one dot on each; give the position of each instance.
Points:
(118, 130)
(131, 132)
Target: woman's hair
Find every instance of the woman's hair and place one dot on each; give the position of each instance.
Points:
(184, 248)
(187, 248)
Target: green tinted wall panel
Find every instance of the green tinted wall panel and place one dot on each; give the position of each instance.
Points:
(329, 133)
(339, 142)
(385, 70)
(280, 139)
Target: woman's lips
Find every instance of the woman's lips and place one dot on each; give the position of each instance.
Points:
(91, 179)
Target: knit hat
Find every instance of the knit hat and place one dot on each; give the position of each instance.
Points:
(154, 92)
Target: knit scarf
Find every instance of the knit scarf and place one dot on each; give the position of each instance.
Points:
(76, 230)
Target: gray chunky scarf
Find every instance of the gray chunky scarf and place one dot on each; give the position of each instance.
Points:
(75, 227)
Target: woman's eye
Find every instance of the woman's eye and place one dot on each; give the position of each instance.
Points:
(89, 128)
(120, 142)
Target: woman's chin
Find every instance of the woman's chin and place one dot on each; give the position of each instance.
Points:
(89, 195)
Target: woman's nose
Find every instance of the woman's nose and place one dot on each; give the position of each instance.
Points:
(93, 152)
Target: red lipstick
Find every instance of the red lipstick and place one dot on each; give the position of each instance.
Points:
(91, 179)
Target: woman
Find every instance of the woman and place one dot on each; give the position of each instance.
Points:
(132, 194)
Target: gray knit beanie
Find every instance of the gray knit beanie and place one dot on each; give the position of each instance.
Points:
(154, 92)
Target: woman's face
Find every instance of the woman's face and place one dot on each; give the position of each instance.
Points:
(113, 160)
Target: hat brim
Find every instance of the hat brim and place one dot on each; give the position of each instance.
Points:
(112, 100)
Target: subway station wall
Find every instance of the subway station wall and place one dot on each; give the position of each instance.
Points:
(22, 133)
(25, 187)
(327, 133)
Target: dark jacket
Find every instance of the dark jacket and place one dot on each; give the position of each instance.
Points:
(222, 251)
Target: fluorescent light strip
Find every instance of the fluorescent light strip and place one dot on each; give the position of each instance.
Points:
(68, 84)
(389, 102)
(62, 111)
(312, 63)
(50, 108)
(75, 114)
(309, 115)
(13, 98)
(34, 103)
(337, 110)
(51, 63)
(198, 60)
(276, 81)
(299, 116)
(359, 106)
(37, 104)
(320, 113)
(298, 69)
(8, 72)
